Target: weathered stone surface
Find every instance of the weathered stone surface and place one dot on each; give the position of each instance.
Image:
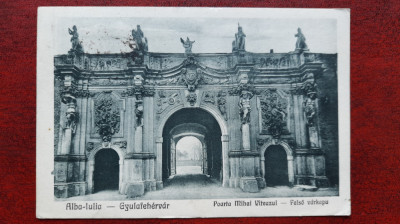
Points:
(132, 102)
(249, 184)
(135, 189)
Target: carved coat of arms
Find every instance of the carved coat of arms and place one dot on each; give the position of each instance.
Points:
(191, 76)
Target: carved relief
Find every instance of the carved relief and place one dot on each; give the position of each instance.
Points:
(121, 144)
(208, 97)
(89, 146)
(167, 98)
(107, 116)
(191, 98)
(108, 82)
(190, 77)
(213, 81)
(273, 113)
(222, 103)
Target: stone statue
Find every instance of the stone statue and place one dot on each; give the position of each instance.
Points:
(139, 113)
(187, 45)
(239, 43)
(301, 41)
(244, 106)
(140, 40)
(310, 111)
(76, 45)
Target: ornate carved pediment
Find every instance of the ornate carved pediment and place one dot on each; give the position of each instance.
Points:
(273, 113)
(107, 116)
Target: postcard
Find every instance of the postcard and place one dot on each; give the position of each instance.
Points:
(150, 112)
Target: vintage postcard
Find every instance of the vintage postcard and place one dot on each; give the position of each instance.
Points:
(192, 112)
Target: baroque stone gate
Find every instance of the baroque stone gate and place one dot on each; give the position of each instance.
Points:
(248, 110)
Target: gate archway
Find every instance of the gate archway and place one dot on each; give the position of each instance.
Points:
(218, 167)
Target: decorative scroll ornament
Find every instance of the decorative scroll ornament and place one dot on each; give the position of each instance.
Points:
(107, 116)
(273, 113)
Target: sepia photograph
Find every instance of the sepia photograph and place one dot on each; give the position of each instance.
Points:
(192, 112)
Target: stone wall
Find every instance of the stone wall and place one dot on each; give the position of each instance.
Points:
(328, 116)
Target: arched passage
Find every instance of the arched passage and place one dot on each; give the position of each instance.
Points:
(272, 152)
(106, 170)
(192, 119)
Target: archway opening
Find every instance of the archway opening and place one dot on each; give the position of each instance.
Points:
(276, 166)
(189, 158)
(106, 170)
(193, 122)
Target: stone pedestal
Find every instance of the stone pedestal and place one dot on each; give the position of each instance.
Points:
(249, 184)
(135, 189)
(261, 182)
(314, 139)
(159, 185)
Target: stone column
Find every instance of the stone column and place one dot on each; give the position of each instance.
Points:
(205, 165)
(246, 137)
(225, 161)
(159, 182)
(290, 170)
(173, 157)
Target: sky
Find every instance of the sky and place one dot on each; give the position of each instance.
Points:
(211, 35)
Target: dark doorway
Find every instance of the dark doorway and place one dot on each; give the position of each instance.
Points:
(106, 170)
(276, 166)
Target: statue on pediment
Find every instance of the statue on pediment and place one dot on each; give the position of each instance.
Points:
(239, 43)
(140, 40)
(76, 45)
(301, 41)
(188, 44)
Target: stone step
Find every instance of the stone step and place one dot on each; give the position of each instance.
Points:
(305, 188)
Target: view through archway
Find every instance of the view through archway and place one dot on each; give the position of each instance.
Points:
(202, 131)
(189, 158)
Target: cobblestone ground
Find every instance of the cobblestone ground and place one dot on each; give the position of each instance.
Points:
(199, 186)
